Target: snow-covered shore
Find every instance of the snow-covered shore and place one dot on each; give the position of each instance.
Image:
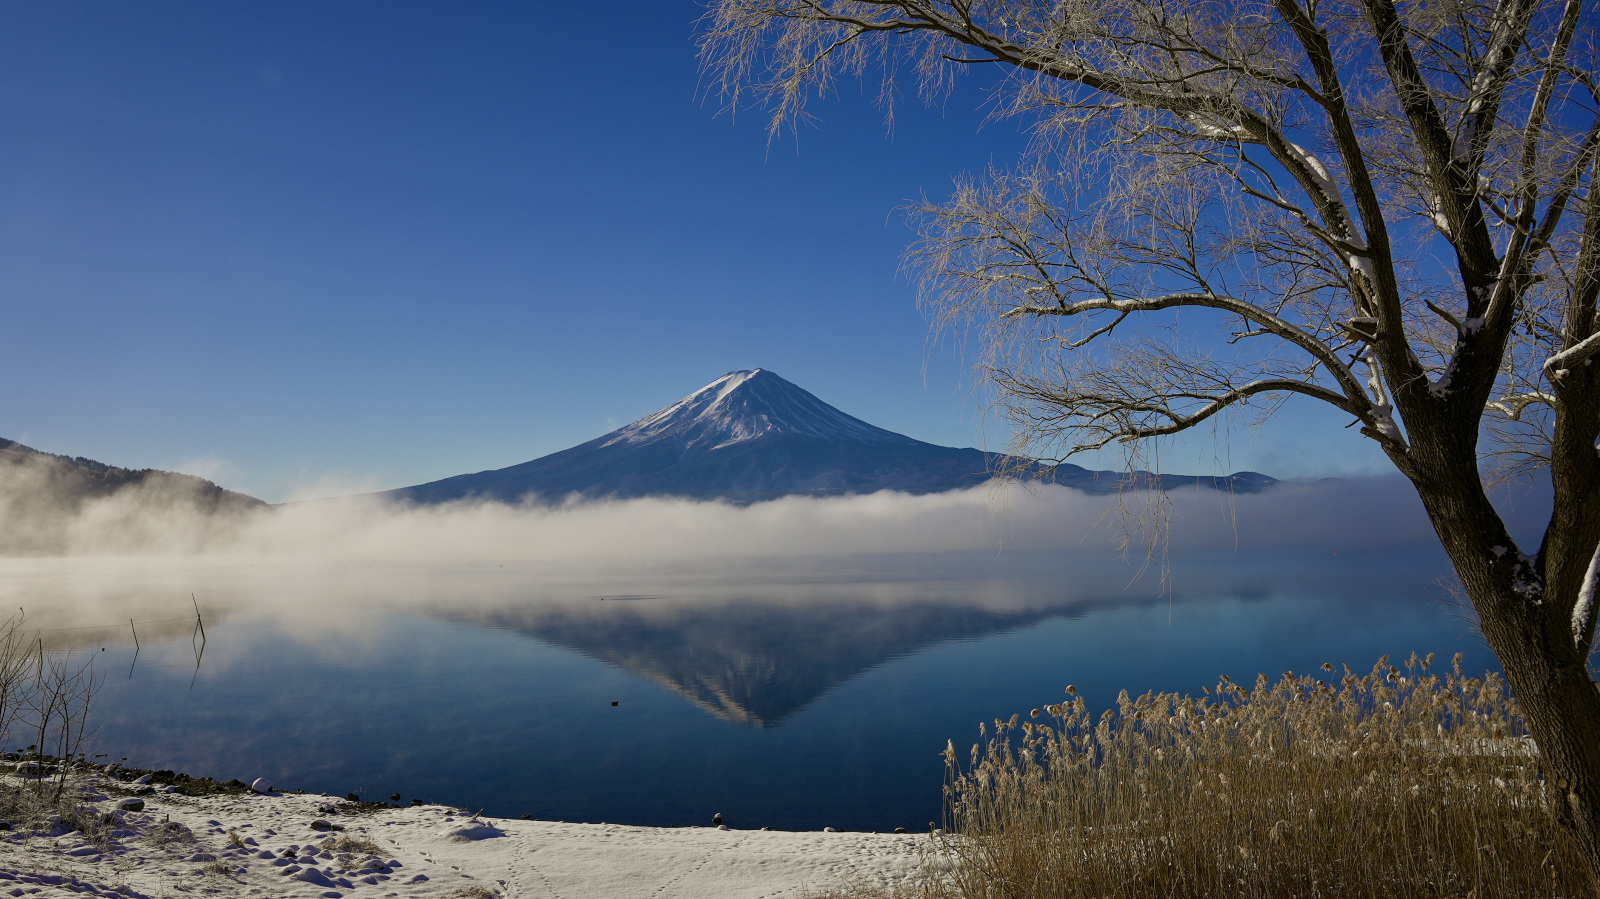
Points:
(248, 844)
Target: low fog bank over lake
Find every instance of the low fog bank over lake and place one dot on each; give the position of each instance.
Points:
(1337, 515)
(792, 691)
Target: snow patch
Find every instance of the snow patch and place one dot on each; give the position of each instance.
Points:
(1584, 610)
(1525, 580)
(1319, 172)
(745, 405)
(469, 831)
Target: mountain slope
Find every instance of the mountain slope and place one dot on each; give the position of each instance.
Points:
(752, 436)
(70, 480)
(43, 497)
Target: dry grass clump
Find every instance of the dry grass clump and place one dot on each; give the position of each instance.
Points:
(171, 835)
(348, 843)
(218, 867)
(1398, 783)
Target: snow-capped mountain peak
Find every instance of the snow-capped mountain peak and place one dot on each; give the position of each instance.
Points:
(751, 436)
(746, 405)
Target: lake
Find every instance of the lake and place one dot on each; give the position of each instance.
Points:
(794, 693)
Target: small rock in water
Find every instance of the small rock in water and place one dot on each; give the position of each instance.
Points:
(615, 703)
(394, 797)
(416, 802)
(261, 785)
(131, 805)
(829, 830)
(527, 817)
(320, 824)
(899, 830)
(766, 828)
(717, 818)
(352, 797)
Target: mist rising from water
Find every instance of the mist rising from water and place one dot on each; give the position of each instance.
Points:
(152, 520)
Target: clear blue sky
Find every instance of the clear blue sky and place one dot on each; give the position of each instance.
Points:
(285, 245)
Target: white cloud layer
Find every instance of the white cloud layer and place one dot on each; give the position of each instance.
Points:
(1335, 516)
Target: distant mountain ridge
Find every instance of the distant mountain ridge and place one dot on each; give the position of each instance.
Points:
(72, 479)
(43, 495)
(751, 436)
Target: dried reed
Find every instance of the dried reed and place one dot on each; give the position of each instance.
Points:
(1397, 783)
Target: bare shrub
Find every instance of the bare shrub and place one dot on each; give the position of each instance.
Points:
(1397, 783)
(14, 656)
(48, 696)
(56, 710)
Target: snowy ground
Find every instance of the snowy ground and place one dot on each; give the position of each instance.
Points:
(180, 845)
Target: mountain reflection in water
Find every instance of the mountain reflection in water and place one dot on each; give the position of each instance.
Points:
(793, 693)
(752, 662)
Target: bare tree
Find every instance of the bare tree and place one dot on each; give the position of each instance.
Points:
(1383, 205)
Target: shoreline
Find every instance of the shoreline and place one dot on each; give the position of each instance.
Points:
(178, 834)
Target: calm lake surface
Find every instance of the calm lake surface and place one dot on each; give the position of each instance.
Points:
(794, 693)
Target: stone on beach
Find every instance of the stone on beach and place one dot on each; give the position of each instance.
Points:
(261, 785)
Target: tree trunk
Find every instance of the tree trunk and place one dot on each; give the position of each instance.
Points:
(1552, 685)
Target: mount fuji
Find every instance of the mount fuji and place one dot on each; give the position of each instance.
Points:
(751, 436)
